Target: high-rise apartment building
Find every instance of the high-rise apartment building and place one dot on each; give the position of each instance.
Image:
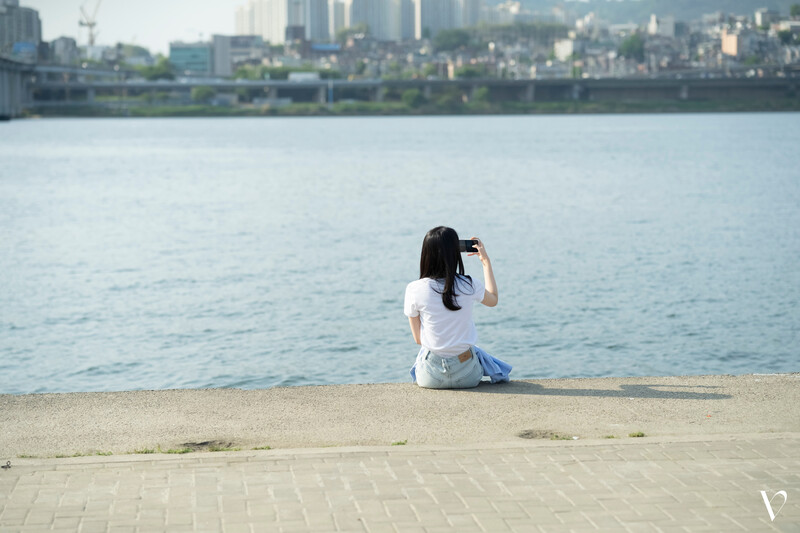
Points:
(407, 20)
(432, 16)
(274, 16)
(270, 18)
(373, 13)
(18, 25)
(316, 21)
(336, 17)
(387, 20)
(245, 21)
(267, 18)
(469, 12)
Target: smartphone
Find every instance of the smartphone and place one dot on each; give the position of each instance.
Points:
(467, 246)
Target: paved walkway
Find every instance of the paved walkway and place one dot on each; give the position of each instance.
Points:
(678, 484)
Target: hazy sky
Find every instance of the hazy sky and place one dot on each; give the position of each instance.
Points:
(149, 23)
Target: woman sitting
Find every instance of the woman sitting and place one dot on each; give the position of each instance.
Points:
(439, 309)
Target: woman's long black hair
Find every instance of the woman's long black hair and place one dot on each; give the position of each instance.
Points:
(441, 259)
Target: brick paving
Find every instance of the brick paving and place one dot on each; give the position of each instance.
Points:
(561, 486)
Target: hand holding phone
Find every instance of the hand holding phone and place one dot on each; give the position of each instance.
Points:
(468, 246)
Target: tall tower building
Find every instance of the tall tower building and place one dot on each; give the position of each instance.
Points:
(245, 21)
(432, 16)
(407, 20)
(470, 13)
(274, 19)
(382, 17)
(336, 17)
(267, 18)
(297, 12)
(317, 21)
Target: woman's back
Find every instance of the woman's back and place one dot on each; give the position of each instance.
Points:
(443, 331)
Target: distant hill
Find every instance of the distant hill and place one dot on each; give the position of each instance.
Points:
(620, 11)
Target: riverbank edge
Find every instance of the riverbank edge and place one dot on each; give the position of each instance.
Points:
(395, 414)
(399, 109)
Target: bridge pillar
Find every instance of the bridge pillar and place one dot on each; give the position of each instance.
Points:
(376, 95)
(5, 99)
(576, 91)
(272, 93)
(683, 93)
(530, 93)
(426, 92)
(14, 85)
(321, 96)
(90, 93)
(20, 93)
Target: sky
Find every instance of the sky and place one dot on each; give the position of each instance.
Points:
(149, 23)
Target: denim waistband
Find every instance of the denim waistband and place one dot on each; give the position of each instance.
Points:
(449, 358)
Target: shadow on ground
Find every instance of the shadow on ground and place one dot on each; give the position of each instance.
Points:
(624, 391)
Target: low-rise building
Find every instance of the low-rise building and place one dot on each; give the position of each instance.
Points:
(790, 25)
(662, 26)
(565, 48)
(550, 70)
(192, 58)
(232, 50)
(64, 51)
(731, 43)
(766, 16)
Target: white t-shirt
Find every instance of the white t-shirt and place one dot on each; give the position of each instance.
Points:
(442, 331)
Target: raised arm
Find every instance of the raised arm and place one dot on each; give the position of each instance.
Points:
(490, 295)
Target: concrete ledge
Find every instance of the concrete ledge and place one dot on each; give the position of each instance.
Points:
(693, 407)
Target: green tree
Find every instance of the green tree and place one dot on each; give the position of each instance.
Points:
(203, 94)
(469, 72)
(345, 33)
(450, 100)
(482, 95)
(449, 40)
(412, 98)
(151, 98)
(430, 69)
(361, 67)
(162, 70)
(132, 50)
(633, 47)
(785, 36)
(795, 10)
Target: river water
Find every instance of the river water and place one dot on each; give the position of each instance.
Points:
(251, 253)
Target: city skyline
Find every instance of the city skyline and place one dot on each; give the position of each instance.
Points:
(138, 24)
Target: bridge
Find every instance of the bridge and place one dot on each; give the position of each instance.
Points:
(14, 88)
(80, 88)
(27, 86)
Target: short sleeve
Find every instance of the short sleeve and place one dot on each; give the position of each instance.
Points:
(480, 289)
(410, 305)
